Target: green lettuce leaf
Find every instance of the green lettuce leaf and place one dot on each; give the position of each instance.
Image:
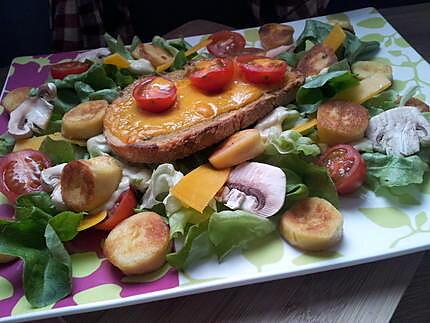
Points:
(229, 230)
(47, 266)
(66, 224)
(393, 171)
(7, 142)
(324, 87)
(164, 44)
(197, 246)
(61, 151)
(292, 142)
(352, 48)
(35, 204)
(315, 177)
(180, 220)
(290, 58)
(117, 46)
(381, 102)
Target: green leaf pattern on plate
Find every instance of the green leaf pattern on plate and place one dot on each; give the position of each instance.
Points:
(23, 306)
(374, 23)
(147, 278)
(84, 264)
(394, 218)
(6, 288)
(266, 251)
(313, 257)
(251, 36)
(97, 294)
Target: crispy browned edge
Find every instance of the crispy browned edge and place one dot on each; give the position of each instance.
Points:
(186, 142)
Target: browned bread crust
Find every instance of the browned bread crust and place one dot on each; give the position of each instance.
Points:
(188, 141)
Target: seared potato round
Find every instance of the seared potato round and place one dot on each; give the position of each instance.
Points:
(88, 184)
(317, 58)
(340, 122)
(274, 35)
(15, 97)
(312, 224)
(6, 258)
(156, 55)
(85, 120)
(139, 244)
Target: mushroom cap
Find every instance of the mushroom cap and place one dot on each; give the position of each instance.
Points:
(256, 187)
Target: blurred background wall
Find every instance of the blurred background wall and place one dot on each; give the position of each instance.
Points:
(26, 25)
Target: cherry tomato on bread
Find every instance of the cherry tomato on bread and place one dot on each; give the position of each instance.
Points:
(226, 43)
(61, 70)
(123, 208)
(20, 173)
(155, 94)
(212, 75)
(261, 70)
(345, 166)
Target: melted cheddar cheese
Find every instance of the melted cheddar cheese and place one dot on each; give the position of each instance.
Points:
(131, 124)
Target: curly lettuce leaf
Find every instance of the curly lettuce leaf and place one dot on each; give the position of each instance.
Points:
(324, 87)
(162, 180)
(180, 220)
(393, 171)
(279, 119)
(222, 233)
(292, 142)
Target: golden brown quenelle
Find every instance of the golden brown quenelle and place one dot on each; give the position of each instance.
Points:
(139, 244)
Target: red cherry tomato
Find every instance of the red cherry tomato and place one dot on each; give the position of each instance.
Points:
(261, 70)
(225, 43)
(155, 94)
(61, 70)
(212, 75)
(123, 208)
(20, 173)
(345, 166)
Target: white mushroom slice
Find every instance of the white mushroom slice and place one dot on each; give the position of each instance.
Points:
(51, 179)
(33, 114)
(399, 131)
(255, 187)
(274, 52)
(94, 55)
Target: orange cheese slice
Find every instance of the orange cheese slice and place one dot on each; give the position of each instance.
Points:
(91, 220)
(198, 188)
(335, 38)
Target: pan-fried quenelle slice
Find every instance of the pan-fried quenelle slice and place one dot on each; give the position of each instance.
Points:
(196, 121)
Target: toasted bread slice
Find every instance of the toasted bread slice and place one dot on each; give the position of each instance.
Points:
(184, 142)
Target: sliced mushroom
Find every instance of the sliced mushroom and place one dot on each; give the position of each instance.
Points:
(51, 181)
(399, 131)
(33, 114)
(274, 52)
(94, 55)
(255, 187)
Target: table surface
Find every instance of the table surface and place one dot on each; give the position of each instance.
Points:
(365, 293)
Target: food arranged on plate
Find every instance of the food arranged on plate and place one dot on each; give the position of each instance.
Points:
(181, 153)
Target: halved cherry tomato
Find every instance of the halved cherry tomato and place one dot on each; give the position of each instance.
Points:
(212, 75)
(123, 208)
(61, 70)
(345, 166)
(20, 173)
(155, 94)
(261, 70)
(225, 43)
